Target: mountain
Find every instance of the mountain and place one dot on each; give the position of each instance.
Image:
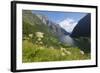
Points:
(68, 24)
(55, 29)
(64, 32)
(33, 23)
(43, 18)
(83, 28)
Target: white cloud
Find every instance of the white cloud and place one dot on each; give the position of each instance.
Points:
(68, 24)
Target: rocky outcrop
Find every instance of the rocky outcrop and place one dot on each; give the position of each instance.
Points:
(56, 29)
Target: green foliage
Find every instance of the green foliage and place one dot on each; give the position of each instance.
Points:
(27, 28)
(84, 43)
(40, 53)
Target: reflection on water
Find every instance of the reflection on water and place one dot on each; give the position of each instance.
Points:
(82, 42)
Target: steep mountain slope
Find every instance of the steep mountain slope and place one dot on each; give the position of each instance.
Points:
(83, 28)
(33, 24)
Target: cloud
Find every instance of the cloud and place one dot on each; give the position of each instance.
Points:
(68, 24)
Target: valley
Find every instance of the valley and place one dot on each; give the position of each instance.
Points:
(44, 40)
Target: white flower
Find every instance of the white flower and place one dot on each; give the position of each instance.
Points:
(41, 42)
(39, 39)
(41, 48)
(67, 52)
(82, 52)
(64, 50)
(39, 34)
(30, 35)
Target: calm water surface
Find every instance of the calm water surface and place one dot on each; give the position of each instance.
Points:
(83, 43)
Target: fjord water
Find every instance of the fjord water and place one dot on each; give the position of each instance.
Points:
(82, 42)
(67, 40)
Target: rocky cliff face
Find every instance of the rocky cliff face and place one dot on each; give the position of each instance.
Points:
(33, 22)
(56, 29)
(83, 28)
(43, 18)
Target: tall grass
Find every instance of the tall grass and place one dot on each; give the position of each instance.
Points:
(40, 53)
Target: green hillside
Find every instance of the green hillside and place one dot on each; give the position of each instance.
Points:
(32, 24)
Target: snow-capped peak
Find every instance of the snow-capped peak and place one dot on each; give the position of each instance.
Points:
(68, 24)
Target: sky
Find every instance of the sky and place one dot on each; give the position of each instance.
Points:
(67, 20)
(57, 17)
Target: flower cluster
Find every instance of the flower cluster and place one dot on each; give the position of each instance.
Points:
(30, 35)
(39, 34)
(64, 51)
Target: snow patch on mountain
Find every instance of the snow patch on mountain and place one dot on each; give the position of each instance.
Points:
(68, 24)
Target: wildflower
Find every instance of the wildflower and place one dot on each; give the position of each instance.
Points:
(30, 35)
(62, 49)
(41, 48)
(39, 34)
(41, 42)
(67, 52)
(39, 39)
(82, 52)
(63, 54)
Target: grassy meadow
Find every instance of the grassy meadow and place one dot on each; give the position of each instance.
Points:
(33, 52)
